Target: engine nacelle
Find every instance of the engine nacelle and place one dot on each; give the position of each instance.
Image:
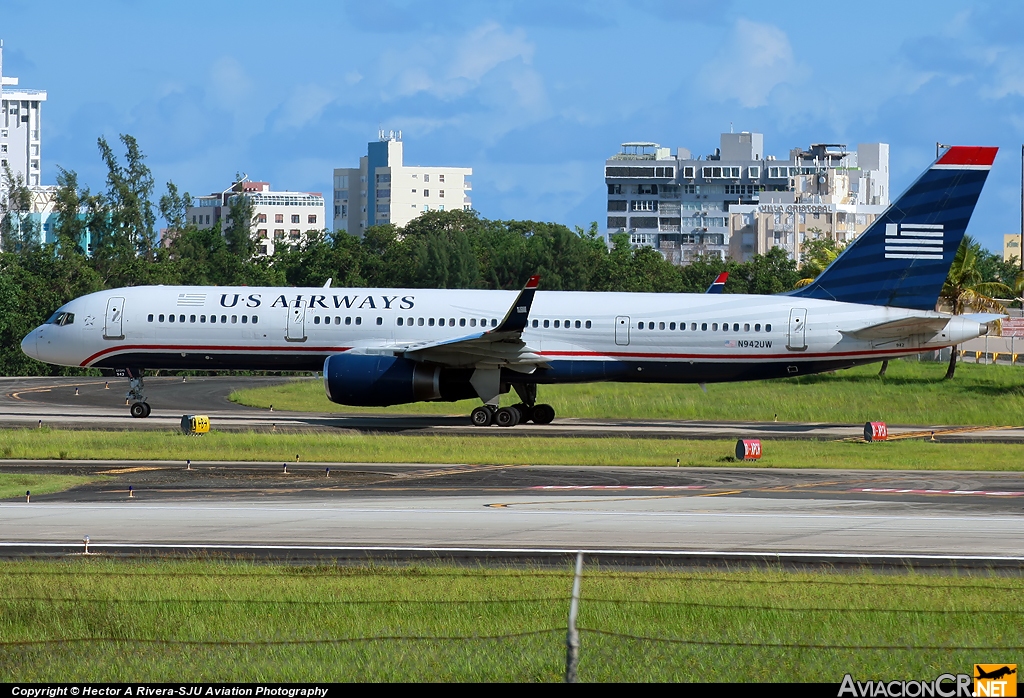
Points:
(378, 381)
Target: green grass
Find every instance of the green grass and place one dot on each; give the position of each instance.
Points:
(15, 484)
(392, 624)
(391, 448)
(912, 392)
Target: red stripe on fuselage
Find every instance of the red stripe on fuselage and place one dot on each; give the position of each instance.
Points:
(792, 355)
(192, 349)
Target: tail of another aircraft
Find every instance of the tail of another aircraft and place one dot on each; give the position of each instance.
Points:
(718, 285)
(903, 258)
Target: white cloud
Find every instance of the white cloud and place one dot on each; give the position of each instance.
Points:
(756, 59)
(305, 104)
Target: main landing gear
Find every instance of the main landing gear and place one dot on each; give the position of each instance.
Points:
(526, 411)
(139, 409)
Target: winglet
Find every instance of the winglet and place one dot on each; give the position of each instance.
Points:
(516, 317)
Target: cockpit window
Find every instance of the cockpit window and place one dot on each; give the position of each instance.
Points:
(61, 318)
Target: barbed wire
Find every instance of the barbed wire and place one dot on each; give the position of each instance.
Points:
(807, 609)
(297, 602)
(546, 599)
(268, 643)
(798, 645)
(329, 572)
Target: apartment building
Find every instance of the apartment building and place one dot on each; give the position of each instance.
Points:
(383, 189)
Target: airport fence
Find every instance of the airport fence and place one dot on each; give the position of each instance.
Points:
(449, 623)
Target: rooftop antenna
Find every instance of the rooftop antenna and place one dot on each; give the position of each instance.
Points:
(730, 127)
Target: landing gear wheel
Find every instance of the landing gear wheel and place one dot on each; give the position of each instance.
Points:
(140, 410)
(507, 417)
(525, 412)
(543, 414)
(482, 416)
(148, 409)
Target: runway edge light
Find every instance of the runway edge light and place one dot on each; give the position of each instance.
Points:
(748, 449)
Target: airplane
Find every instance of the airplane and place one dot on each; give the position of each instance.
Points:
(718, 285)
(380, 346)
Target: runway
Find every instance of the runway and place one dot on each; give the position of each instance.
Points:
(410, 509)
(506, 508)
(29, 402)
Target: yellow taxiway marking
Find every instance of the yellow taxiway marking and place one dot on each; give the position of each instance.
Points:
(124, 471)
(50, 388)
(719, 494)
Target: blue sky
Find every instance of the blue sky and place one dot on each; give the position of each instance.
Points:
(532, 95)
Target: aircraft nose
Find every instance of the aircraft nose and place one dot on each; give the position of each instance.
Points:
(28, 345)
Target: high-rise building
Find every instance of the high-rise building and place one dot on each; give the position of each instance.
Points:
(738, 201)
(20, 128)
(279, 217)
(385, 190)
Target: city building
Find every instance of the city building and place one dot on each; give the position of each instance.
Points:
(279, 217)
(383, 189)
(20, 128)
(738, 202)
(1011, 247)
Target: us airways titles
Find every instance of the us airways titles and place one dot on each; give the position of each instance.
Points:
(316, 300)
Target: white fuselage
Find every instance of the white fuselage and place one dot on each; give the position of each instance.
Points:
(680, 337)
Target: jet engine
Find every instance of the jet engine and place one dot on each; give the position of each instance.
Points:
(369, 380)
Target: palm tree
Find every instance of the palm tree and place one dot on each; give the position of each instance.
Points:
(965, 290)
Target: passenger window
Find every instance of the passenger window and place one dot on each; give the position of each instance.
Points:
(254, 319)
(359, 319)
(757, 327)
(714, 327)
(588, 324)
(150, 319)
(566, 324)
(746, 327)
(661, 325)
(725, 327)
(578, 324)
(410, 322)
(462, 322)
(494, 323)
(451, 322)
(348, 321)
(380, 321)
(181, 318)
(547, 323)
(400, 321)
(693, 326)
(431, 322)
(671, 325)
(191, 318)
(223, 319)
(535, 323)
(735, 327)
(202, 319)
(245, 318)
(639, 325)
(213, 319)
(316, 319)
(420, 322)
(234, 319)
(767, 328)
(704, 326)
(472, 322)
(170, 318)
(556, 324)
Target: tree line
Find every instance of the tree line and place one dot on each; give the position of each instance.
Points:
(439, 249)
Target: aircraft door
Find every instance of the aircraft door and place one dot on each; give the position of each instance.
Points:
(113, 321)
(622, 330)
(296, 330)
(797, 329)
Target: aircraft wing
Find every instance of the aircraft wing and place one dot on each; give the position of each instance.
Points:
(905, 327)
(502, 346)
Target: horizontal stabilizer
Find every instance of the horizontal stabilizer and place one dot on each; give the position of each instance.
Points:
(903, 327)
